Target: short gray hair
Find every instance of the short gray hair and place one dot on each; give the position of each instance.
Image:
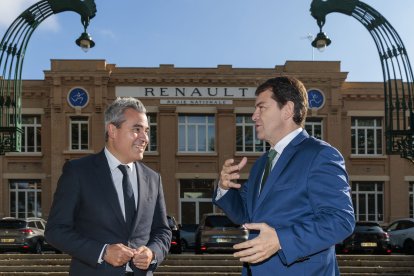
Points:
(114, 114)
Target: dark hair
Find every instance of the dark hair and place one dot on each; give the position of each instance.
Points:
(288, 89)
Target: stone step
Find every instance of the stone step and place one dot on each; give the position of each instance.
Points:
(202, 265)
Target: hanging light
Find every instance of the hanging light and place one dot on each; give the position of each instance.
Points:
(85, 41)
(321, 41)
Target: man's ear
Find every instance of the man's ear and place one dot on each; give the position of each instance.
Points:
(111, 130)
(288, 110)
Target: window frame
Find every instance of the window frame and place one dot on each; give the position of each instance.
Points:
(206, 124)
(355, 128)
(79, 121)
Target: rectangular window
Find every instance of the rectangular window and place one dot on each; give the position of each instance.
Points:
(79, 133)
(368, 200)
(25, 198)
(411, 198)
(152, 143)
(366, 136)
(196, 133)
(314, 127)
(31, 136)
(246, 139)
(195, 199)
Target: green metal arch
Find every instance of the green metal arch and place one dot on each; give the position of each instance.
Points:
(12, 51)
(396, 68)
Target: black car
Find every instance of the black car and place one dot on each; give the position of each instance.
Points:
(23, 235)
(368, 237)
(216, 232)
(175, 239)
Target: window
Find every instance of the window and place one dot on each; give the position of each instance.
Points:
(79, 133)
(246, 140)
(195, 199)
(152, 121)
(366, 135)
(314, 127)
(411, 198)
(368, 200)
(25, 198)
(31, 137)
(196, 133)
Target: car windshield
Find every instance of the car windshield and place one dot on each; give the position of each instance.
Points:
(219, 221)
(12, 224)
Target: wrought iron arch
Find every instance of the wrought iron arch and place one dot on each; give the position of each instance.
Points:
(12, 52)
(396, 69)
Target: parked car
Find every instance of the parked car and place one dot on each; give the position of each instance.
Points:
(402, 235)
(23, 235)
(216, 232)
(175, 239)
(368, 237)
(187, 233)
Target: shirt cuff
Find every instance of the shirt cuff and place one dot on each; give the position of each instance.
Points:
(220, 193)
(101, 256)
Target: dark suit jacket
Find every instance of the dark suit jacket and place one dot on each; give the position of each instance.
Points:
(307, 200)
(86, 215)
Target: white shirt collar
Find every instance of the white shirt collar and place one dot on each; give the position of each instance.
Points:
(114, 162)
(281, 145)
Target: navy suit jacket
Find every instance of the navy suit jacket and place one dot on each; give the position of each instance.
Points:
(86, 215)
(307, 200)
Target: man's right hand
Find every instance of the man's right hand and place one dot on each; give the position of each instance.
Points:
(231, 172)
(118, 254)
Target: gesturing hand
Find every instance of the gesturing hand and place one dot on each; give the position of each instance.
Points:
(260, 248)
(231, 172)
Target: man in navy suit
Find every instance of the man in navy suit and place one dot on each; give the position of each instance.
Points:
(298, 207)
(108, 211)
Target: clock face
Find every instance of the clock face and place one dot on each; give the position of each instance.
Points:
(316, 99)
(78, 97)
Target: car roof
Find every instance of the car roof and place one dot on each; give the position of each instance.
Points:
(402, 219)
(367, 223)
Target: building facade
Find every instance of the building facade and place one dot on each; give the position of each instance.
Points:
(198, 118)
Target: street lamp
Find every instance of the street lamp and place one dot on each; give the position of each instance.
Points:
(396, 69)
(12, 51)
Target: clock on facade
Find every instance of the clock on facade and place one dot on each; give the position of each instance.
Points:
(316, 99)
(78, 97)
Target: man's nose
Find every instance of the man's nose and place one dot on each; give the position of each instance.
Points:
(255, 115)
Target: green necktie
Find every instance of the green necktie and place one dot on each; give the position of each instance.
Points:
(270, 156)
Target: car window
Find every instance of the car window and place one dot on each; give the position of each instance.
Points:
(393, 227)
(405, 225)
(366, 228)
(12, 224)
(219, 221)
(40, 225)
(32, 224)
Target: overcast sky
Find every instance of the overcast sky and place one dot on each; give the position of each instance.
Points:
(206, 33)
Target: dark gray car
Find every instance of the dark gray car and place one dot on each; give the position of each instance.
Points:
(217, 233)
(23, 235)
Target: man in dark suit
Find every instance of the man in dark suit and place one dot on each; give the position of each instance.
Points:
(108, 211)
(296, 202)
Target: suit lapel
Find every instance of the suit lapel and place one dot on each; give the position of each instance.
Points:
(279, 167)
(253, 192)
(103, 174)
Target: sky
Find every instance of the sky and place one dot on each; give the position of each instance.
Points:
(208, 33)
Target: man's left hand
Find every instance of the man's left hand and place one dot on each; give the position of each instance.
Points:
(260, 248)
(143, 257)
